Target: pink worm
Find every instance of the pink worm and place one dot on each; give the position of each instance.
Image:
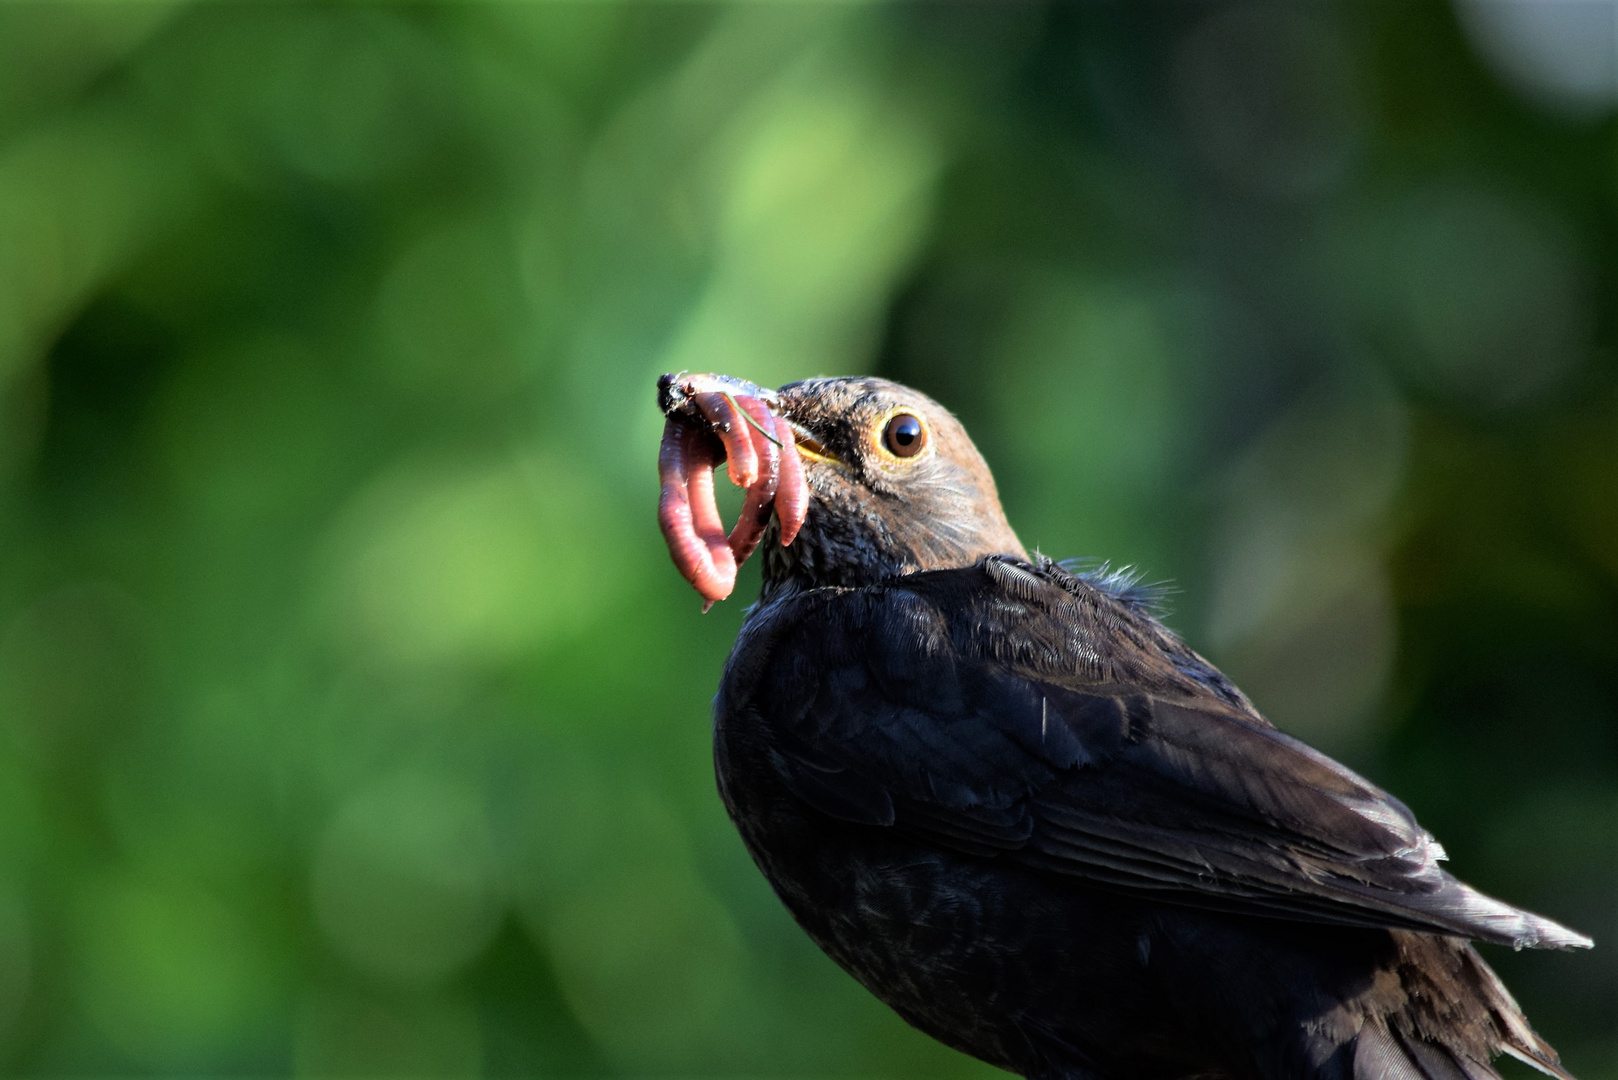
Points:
(735, 433)
(687, 511)
(760, 498)
(792, 493)
(688, 515)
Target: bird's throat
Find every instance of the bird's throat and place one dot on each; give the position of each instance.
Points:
(856, 546)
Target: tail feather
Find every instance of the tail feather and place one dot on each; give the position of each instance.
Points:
(1458, 1014)
(1517, 1038)
(1550, 1066)
(1384, 1054)
(1441, 1063)
(1378, 1056)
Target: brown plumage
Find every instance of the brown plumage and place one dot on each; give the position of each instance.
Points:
(1019, 810)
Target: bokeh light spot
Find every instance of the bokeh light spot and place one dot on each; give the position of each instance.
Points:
(827, 191)
(1560, 54)
(469, 565)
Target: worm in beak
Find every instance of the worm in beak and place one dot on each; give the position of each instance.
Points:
(708, 415)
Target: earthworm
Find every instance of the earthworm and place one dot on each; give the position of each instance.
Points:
(760, 497)
(688, 515)
(722, 412)
(791, 493)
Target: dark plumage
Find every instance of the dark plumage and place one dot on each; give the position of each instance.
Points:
(1024, 814)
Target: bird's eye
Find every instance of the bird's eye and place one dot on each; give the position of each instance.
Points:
(904, 436)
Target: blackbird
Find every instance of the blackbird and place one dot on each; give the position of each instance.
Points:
(1020, 811)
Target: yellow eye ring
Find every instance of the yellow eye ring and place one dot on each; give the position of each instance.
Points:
(902, 435)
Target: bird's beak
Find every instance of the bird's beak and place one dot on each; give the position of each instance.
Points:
(809, 447)
(675, 393)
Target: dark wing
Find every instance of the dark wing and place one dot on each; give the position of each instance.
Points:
(1017, 712)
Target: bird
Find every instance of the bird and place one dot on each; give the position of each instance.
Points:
(1018, 809)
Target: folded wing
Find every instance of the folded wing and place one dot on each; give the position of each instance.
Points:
(1017, 712)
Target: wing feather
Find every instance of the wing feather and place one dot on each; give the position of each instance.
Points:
(1025, 714)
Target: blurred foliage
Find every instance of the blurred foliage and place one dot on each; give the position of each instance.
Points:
(352, 720)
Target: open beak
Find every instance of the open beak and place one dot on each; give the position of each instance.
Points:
(676, 396)
(809, 447)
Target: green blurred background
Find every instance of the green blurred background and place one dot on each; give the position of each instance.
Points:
(352, 719)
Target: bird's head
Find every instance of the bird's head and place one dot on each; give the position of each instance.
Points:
(895, 486)
(893, 483)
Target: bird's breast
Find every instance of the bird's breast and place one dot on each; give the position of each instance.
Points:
(978, 953)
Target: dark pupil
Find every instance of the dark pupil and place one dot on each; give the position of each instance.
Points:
(904, 435)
